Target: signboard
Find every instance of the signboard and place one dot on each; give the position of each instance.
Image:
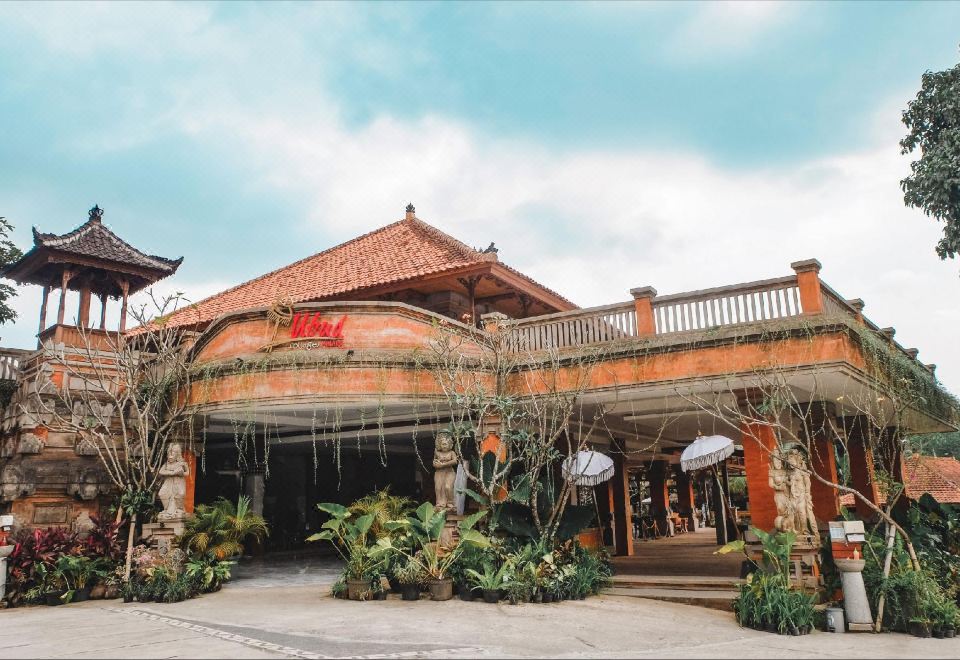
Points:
(305, 330)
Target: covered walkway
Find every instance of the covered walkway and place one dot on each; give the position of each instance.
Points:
(688, 554)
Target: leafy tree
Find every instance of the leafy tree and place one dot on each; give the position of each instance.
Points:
(933, 119)
(8, 254)
(937, 444)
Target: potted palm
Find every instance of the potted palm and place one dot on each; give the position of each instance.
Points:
(424, 528)
(222, 528)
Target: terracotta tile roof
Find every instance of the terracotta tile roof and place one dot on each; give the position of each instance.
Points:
(94, 239)
(939, 476)
(408, 249)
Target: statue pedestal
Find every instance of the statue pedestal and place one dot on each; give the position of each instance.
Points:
(450, 535)
(162, 533)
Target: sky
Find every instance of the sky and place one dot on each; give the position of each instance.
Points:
(601, 146)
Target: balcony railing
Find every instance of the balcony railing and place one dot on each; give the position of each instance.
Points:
(751, 302)
(765, 300)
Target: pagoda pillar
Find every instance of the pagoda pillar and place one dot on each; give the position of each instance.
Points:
(125, 289)
(64, 281)
(43, 309)
(83, 313)
(103, 311)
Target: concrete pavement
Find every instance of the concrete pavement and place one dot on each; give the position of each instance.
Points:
(302, 621)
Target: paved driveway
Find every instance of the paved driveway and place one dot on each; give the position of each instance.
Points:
(252, 618)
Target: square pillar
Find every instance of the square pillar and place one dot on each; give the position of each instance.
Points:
(758, 441)
(826, 500)
(685, 499)
(643, 304)
(808, 283)
(862, 471)
(622, 511)
(83, 314)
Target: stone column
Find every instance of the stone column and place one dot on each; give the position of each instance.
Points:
(808, 282)
(254, 487)
(685, 499)
(622, 511)
(643, 303)
(860, 458)
(758, 441)
(103, 311)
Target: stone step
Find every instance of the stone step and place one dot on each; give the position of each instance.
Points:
(716, 600)
(676, 582)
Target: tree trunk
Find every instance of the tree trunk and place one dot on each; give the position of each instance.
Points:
(130, 534)
(887, 558)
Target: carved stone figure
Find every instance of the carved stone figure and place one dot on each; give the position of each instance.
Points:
(82, 524)
(779, 481)
(174, 488)
(85, 447)
(791, 493)
(14, 484)
(445, 474)
(86, 486)
(30, 443)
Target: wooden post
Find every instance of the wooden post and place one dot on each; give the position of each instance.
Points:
(622, 511)
(808, 282)
(643, 303)
(43, 310)
(83, 313)
(685, 499)
(659, 494)
(103, 311)
(64, 281)
(125, 288)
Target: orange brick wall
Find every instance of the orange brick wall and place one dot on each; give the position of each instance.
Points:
(826, 500)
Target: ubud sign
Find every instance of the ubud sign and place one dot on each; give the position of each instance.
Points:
(307, 330)
(313, 326)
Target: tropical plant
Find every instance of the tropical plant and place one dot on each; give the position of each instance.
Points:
(425, 527)
(491, 579)
(408, 572)
(384, 507)
(222, 528)
(207, 572)
(349, 538)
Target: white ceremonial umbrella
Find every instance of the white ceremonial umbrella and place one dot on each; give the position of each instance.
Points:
(705, 451)
(709, 451)
(588, 468)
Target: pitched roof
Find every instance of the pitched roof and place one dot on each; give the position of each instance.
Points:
(405, 250)
(92, 244)
(939, 476)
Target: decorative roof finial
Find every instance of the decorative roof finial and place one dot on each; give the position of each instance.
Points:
(96, 213)
(410, 211)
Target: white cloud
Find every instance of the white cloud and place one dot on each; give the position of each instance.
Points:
(591, 224)
(727, 28)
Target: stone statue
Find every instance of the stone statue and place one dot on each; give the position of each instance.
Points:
(779, 481)
(802, 499)
(445, 465)
(174, 488)
(83, 525)
(790, 482)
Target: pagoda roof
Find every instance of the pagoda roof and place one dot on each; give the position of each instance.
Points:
(91, 245)
(387, 259)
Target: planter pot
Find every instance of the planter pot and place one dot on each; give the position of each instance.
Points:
(394, 585)
(794, 631)
(938, 633)
(54, 598)
(491, 595)
(80, 595)
(583, 595)
(380, 595)
(358, 589)
(128, 598)
(537, 598)
(949, 633)
(410, 591)
(441, 589)
(548, 598)
(465, 592)
(98, 592)
(919, 629)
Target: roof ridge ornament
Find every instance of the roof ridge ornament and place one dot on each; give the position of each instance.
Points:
(96, 213)
(411, 210)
